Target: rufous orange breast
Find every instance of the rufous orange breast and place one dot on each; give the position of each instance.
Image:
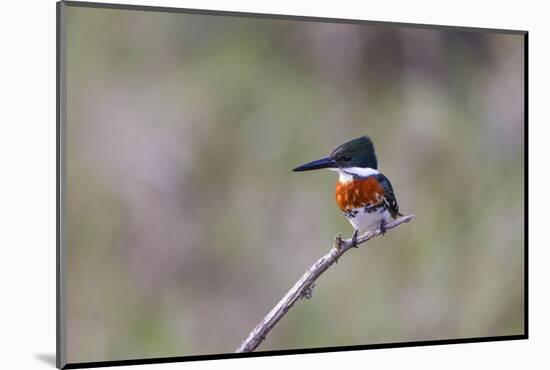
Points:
(359, 193)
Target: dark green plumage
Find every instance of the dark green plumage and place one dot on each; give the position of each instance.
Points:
(390, 201)
(356, 153)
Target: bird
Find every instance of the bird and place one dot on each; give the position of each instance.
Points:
(363, 194)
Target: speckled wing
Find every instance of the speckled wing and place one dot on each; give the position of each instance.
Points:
(389, 196)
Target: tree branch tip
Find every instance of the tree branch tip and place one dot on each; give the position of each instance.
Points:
(406, 218)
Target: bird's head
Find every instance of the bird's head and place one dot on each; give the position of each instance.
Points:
(354, 153)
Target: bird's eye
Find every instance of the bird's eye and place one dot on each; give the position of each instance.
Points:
(341, 158)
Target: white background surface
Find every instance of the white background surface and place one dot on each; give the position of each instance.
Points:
(27, 194)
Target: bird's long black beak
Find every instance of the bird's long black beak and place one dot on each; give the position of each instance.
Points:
(316, 165)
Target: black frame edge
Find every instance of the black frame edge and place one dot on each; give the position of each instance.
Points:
(526, 184)
(159, 360)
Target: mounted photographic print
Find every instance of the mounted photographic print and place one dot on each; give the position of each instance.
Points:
(235, 185)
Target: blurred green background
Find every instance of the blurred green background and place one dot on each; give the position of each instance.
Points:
(186, 224)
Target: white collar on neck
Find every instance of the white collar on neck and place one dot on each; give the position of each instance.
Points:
(346, 174)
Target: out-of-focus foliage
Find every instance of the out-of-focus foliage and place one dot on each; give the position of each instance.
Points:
(186, 224)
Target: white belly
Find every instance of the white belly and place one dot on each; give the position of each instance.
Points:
(365, 221)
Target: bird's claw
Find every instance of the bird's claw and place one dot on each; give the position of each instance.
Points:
(354, 239)
(383, 227)
(308, 292)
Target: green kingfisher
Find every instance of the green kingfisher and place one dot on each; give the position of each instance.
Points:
(363, 194)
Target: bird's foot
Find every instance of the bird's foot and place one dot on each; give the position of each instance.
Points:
(383, 227)
(354, 238)
(308, 292)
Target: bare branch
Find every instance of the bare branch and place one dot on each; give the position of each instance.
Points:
(304, 286)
